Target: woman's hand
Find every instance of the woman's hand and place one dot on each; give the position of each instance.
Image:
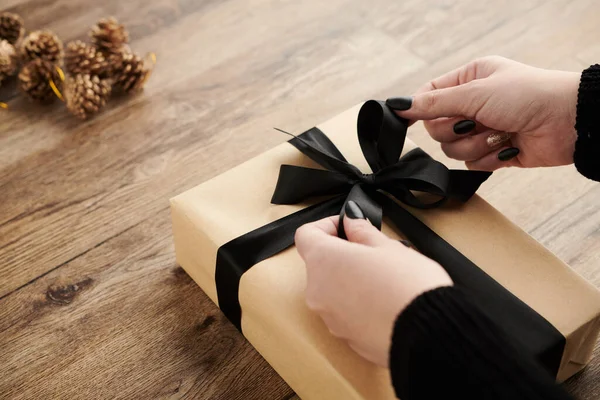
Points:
(360, 286)
(495, 112)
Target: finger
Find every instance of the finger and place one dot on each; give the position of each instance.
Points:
(474, 147)
(449, 102)
(327, 226)
(446, 130)
(459, 76)
(423, 89)
(477, 69)
(363, 232)
(492, 161)
(445, 81)
(440, 89)
(359, 230)
(322, 231)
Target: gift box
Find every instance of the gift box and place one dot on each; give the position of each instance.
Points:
(234, 236)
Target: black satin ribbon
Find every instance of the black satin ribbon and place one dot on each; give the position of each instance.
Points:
(381, 136)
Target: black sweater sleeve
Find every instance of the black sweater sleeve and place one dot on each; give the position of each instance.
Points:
(443, 346)
(587, 146)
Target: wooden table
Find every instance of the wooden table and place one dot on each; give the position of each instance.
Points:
(92, 303)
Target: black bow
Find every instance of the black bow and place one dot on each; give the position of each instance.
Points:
(381, 134)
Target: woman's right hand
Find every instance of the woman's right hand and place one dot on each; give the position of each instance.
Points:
(485, 110)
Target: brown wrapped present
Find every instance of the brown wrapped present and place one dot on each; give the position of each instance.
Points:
(235, 244)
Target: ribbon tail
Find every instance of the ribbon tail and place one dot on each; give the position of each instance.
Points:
(296, 184)
(237, 256)
(316, 139)
(369, 207)
(318, 147)
(381, 134)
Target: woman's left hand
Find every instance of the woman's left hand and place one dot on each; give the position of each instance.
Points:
(360, 286)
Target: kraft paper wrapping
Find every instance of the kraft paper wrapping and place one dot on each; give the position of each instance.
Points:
(295, 341)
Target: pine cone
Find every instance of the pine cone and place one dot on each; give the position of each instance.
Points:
(130, 71)
(86, 95)
(35, 77)
(82, 58)
(108, 35)
(42, 44)
(11, 27)
(8, 60)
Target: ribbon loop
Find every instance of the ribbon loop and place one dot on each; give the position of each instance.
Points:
(322, 183)
(381, 134)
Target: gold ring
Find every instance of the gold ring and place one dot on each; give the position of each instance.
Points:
(497, 138)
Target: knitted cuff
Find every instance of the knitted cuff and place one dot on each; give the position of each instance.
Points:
(587, 146)
(444, 346)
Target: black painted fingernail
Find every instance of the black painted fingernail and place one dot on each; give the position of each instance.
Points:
(399, 103)
(507, 154)
(406, 243)
(353, 211)
(462, 127)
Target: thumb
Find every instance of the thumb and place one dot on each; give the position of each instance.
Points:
(358, 229)
(462, 100)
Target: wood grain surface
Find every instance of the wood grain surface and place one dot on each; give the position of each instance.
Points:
(92, 303)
